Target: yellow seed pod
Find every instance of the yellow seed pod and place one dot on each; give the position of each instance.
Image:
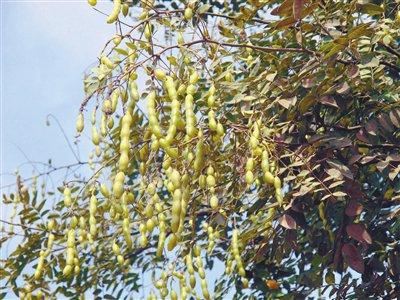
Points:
(104, 191)
(188, 14)
(125, 9)
(120, 260)
(196, 251)
(245, 282)
(147, 31)
(210, 180)
(210, 101)
(180, 38)
(67, 271)
(51, 224)
(214, 202)
(95, 135)
(80, 123)
(117, 39)
(269, 178)
(173, 295)
(118, 187)
(160, 74)
(175, 178)
(192, 281)
(106, 61)
(194, 78)
(212, 124)
(67, 197)
(277, 183)
(123, 161)
(143, 240)
(249, 177)
(115, 12)
(92, 2)
(172, 242)
(74, 222)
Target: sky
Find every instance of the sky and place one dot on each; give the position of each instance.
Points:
(46, 47)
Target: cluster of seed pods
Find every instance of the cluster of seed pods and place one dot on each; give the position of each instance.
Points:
(162, 169)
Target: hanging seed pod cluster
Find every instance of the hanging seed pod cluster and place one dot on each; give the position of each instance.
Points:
(171, 149)
(227, 152)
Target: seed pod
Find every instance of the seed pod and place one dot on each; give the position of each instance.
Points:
(80, 123)
(172, 242)
(67, 197)
(115, 12)
(147, 31)
(160, 74)
(214, 202)
(92, 2)
(269, 178)
(51, 225)
(95, 136)
(188, 14)
(67, 271)
(277, 183)
(249, 177)
(118, 187)
(125, 9)
(107, 62)
(104, 191)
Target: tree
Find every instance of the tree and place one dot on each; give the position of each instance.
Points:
(261, 135)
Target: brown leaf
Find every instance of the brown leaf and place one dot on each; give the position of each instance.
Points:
(353, 208)
(352, 71)
(287, 103)
(283, 9)
(361, 136)
(394, 116)
(297, 8)
(353, 257)
(288, 222)
(385, 123)
(308, 82)
(359, 233)
(328, 100)
(343, 88)
(371, 127)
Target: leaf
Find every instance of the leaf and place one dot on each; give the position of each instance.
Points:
(204, 8)
(353, 208)
(371, 9)
(328, 100)
(339, 194)
(287, 103)
(122, 51)
(335, 49)
(297, 8)
(306, 103)
(394, 116)
(343, 88)
(335, 173)
(371, 127)
(288, 222)
(358, 31)
(352, 71)
(353, 257)
(283, 9)
(359, 233)
(361, 136)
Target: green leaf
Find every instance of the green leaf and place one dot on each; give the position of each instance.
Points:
(371, 9)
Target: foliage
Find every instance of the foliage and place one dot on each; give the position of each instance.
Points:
(260, 134)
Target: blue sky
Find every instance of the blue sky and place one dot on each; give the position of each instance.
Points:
(46, 47)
